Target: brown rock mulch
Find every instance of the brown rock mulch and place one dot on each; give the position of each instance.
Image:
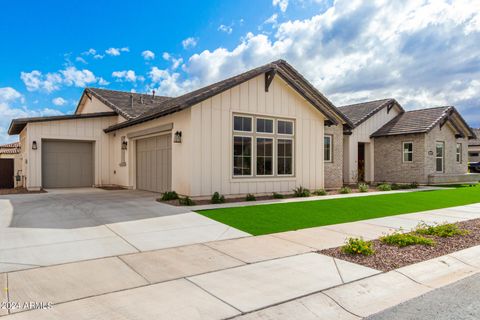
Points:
(387, 257)
(18, 191)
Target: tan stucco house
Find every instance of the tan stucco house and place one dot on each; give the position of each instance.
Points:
(10, 164)
(387, 144)
(474, 147)
(258, 132)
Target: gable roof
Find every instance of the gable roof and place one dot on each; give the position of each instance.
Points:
(10, 148)
(279, 67)
(127, 104)
(17, 125)
(361, 112)
(475, 142)
(422, 121)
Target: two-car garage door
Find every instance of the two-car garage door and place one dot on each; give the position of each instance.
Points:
(67, 164)
(154, 163)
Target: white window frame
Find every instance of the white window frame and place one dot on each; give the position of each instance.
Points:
(274, 149)
(404, 153)
(252, 168)
(443, 156)
(286, 137)
(458, 152)
(266, 133)
(330, 154)
(285, 134)
(243, 116)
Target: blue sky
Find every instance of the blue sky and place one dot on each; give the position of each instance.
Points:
(423, 53)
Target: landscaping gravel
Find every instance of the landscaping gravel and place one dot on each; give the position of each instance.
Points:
(387, 257)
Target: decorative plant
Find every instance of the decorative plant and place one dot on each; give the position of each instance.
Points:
(363, 187)
(320, 192)
(250, 197)
(278, 196)
(187, 201)
(301, 192)
(441, 230)
(384, 187)
(217, 198)
(345, 190)
(169, 195)
(406, 239)
(358, 246)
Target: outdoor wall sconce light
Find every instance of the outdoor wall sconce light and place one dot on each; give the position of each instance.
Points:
(34, 145)
(124, 145)
(177, 138)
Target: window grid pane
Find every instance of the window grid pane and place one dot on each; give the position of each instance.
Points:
(264, 125)
(242, 160)
(242, 123)
(285, 127)
(285, 157)
(327, 142)
(264, 156)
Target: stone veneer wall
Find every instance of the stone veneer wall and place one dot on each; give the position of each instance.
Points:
(334, 169)
(389, 165)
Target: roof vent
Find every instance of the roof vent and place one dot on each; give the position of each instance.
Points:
(131, 100)
(141, 99)
(153, 95)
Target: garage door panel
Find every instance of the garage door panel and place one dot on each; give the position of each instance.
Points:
(67, 164)
(154, 165)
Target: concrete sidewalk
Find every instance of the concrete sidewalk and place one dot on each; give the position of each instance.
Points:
(267, 277)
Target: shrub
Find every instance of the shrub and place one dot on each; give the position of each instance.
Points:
(250, 197)
(358, 246)
(169, 195)
(301, 192)
(320, 192)
(217, 198)
(395, 186)
(278, 196)
(406, 239)
(186, 201)
(414, 185)
(384, 187)
(345, 190)
(363, 187)
(441, 230)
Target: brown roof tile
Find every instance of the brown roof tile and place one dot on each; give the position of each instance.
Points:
(360, 112)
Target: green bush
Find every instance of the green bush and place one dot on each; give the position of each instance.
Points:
(406, 239)
(250, 197)
(414, 185)
(363, 187)
(345, 190)
(301, 192)
(395, 186)
(169, 195)
(217, 198)
(384, 187)
(441, 230)
(358, 246)
(320, 192)
(186, 201)
(278, 196)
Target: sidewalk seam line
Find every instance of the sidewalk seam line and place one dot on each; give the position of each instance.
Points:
(338, 304)
(118, 235)
(338, 270)
(130, 267)
(410, 278)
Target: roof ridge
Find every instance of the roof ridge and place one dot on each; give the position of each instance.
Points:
(128, 92)
(369, 101)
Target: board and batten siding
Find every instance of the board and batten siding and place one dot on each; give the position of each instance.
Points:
(73, 129)
(362, 133)
(212, 140)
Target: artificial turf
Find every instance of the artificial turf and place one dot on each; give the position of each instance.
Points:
(265, 219)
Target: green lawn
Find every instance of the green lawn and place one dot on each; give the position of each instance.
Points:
(265, 219)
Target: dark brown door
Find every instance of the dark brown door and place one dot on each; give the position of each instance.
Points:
(6, 173)
(361, 162)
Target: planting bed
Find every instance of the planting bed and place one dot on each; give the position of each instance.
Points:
(388, 257)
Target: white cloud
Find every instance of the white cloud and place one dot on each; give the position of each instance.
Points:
(127, 75)
(353, 51)
(116, 51)
(59, 101)
(282, 4)
(272, 19)
(148, 55)
(226, 29)
(90, 52)
(166, 56)
(11, 107)
(103, 82)
(70, 76)
(98, 56)
(80, 59)
(167, 83)
(189, 43)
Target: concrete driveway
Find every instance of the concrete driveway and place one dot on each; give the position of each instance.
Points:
(80, 224)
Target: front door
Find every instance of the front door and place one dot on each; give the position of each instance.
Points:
(361, 162)
(6, 173)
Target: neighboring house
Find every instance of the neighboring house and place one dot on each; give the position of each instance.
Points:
(474, 148)
(262, 131)
(10, 163)
(387, 144)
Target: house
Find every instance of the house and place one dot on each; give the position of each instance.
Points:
(387, 144)
(474, 148)
(10, 163)
(266, 130)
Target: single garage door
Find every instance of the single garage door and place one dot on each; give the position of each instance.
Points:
(154, 163)
(67, 164)
(6, 173)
